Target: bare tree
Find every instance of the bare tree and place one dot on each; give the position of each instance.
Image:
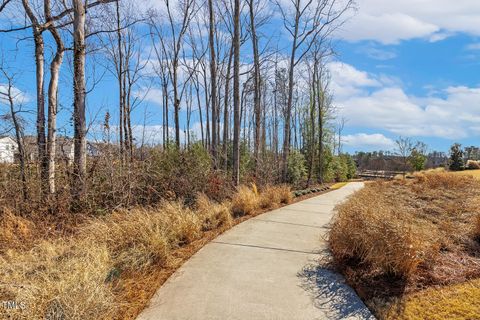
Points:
(80, 141)
(213, 79)
(122, 48)
(178, 20)
(324, 113)
(404, 148)
(3, 4)
(10, 96)
(306, 21)
(236, 93)
(341, 126)
(53, 95)
(37, 29)
(161, 70)
(257, 82)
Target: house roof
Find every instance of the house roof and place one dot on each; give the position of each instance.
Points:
(7, 137)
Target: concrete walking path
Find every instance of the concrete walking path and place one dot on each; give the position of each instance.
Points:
(264, 268)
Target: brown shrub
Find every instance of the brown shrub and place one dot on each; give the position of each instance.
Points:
(272, 197)
(183, 224)
(269, 198)
(244, 201)
(212, 215)
(135, 239)
(394, 227)
(445, 180)
(361, 230)
(285, 194)
(15, 230)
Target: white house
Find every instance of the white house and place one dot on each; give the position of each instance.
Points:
(8, 149)
(64, 150)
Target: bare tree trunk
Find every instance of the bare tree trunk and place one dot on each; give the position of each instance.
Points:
(236, 94)
(207, 105)
(120, 72)
(225, 110)
(165, 115)
(313, 106)
(128, 110)
(40, 81)
(176, 105)
(126, 137)
(321, 111)
(52, 99)
(41, 143)
(9, 96)
(257, 80)
(288, 112)
(213, 80)
(189, 102)
(275, 117)
(197, 90)
(80, 157)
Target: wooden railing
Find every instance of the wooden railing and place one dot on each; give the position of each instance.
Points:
(378, 174)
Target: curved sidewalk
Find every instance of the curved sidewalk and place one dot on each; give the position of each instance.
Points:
(264, 268)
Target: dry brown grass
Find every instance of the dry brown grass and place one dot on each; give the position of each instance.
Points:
(269, 198)
(135, 239)
(395, 238)
(184, 224)
(245, 201)
(58, 280)
(476, 228)
(213, 215)
(286, 195)
(77, 276)
(396, 251)
(15, 230)
(101, 269)
(274, 196)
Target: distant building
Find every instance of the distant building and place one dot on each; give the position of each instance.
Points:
(472, 153)
(436, 159)
(8, 149)
(64, 149)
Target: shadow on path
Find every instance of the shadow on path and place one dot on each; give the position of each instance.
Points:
(331, 294)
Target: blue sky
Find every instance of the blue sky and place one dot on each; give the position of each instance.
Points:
(426, 57)
(408, 68)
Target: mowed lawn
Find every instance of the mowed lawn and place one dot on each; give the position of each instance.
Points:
(473, 173)
(460, 301)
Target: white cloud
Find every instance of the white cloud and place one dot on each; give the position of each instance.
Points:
(388, 28)
(376, 53)
(390, 22)
(376, 141)
(19, 97)
(439, 36)
(154, 95)
(473, 46)
(348, 81)
(451, 113)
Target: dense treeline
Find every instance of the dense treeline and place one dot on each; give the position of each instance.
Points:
(238, 104)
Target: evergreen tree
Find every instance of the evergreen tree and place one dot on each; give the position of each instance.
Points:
(456, 157)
